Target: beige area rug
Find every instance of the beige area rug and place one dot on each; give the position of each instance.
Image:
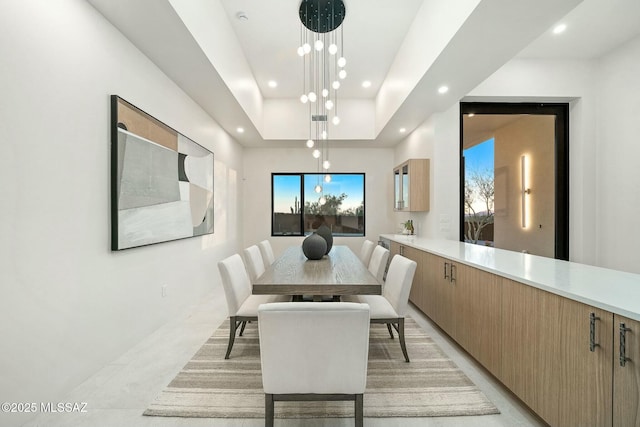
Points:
(430, 385)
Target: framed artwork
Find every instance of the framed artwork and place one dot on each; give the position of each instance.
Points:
(161, 181)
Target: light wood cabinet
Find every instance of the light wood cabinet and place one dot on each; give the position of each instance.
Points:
(548, 360)
(439, 291)
(411, 186)
(432, 301)
(394, 249)
(626, 372)
(529, 360)
(416, 295)
(466, 303)
(449, 279)
(585, 353)
(562, 358)
(478, 298)
(417, 292)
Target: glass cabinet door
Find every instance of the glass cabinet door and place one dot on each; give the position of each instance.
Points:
(405, 186)
(411, 186)
(397, 193)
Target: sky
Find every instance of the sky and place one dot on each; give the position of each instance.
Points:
(287, 187)
(479, 157)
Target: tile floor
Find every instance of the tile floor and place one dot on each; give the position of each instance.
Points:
(119, 393)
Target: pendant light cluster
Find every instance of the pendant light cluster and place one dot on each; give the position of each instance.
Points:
(322, 51)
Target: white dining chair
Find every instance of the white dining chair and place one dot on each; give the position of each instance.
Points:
(267, 253)
(366, 251)
(255, 263)
(314, 351)
(391, 306)
(242, 306)
(378, 262)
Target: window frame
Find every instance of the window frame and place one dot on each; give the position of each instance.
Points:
(561, 151)
(302, 201)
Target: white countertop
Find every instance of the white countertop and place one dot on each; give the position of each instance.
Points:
(611, 290)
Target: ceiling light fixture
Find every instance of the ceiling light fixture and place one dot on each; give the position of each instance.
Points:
(366, 84)
(559, 28)
(272, 83)
(322, 70)
(403, 130)
(240, 129)
(443, 89)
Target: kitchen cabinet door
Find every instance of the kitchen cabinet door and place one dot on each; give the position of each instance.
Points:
(411, 186)
(417, 293)
(547, 359)
(585, 353)
(478, 296)
(626, 372)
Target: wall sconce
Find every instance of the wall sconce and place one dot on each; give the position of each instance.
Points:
(524, 188)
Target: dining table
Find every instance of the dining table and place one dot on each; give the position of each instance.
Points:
(338, 273)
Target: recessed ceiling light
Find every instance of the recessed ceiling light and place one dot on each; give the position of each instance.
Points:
(443, 89)
(366, 83)
(240, 129)
(272, 83)
(403, 130)
(559, 28)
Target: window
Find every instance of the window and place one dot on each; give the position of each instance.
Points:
(526, 198)
(297, 209)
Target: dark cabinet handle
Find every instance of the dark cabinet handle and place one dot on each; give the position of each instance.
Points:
(445, 270)
(592, 332)
(623, 344)
(454, 269)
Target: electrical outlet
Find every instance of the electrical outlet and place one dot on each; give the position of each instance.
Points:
(164, 291)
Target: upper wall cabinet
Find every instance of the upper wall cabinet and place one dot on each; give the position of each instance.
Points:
(411, 186)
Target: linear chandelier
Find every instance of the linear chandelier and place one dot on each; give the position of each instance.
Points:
(323, 62)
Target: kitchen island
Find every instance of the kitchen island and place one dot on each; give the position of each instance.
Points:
(563, 336)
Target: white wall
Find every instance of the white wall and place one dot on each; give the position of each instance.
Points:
(517, 81)
(259, 163)
(570, 81)
(436, 139)
(68, 304)
(604, 104)
(288, 119)
(208, 23)
(534, 137)
(431, 30)
(618, 151)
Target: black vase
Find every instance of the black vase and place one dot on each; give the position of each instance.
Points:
(325, 232)
(314, 246)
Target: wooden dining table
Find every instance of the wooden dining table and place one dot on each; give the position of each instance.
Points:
(338, 273)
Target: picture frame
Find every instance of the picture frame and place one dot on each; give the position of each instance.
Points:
(161, 181)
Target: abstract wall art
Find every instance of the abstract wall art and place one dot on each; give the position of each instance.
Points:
(161, 181)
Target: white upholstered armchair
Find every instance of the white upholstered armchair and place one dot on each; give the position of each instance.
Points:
(314, 351)
(391, 306)
(242, 306)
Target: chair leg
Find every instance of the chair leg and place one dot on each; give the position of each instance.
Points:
(232, 335)
(268, 410)
(401, 336)
(242, 328)
(390, 330)
(359, 411)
